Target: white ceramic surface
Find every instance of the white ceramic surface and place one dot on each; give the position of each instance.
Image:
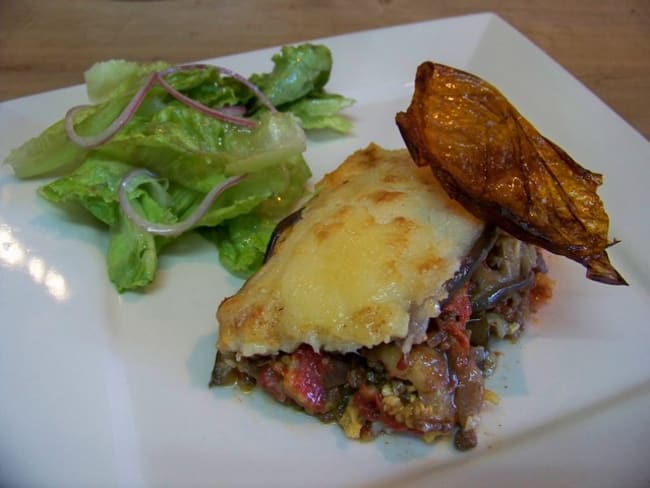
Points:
(98, 389)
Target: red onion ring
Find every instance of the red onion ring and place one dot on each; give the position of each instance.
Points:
(131, 108)
(170, 230)
(119, 122)
(229, 73)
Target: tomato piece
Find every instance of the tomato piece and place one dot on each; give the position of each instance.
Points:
(271, 381)
(304, 380)
(455, 315)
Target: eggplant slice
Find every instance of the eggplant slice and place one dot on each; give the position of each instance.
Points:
(502, 170)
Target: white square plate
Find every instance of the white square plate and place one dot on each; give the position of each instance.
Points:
(98, 389)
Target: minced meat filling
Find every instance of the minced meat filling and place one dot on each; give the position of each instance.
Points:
(436, 388)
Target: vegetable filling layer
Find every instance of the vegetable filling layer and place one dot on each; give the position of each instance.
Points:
(437, 386)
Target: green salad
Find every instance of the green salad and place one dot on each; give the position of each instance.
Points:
(192, 128)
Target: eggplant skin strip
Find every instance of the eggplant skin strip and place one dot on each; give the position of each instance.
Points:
(490, 159)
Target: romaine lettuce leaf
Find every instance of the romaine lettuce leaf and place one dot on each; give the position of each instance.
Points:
(132, 257)
(322, 111)
(132, 252)
(297, 83)
(115, 77)
(242, 242)
(93, 186)
(297, 72)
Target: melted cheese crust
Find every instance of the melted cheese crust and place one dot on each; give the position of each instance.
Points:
(377, 242)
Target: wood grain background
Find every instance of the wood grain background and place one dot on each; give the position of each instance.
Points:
(46, 44)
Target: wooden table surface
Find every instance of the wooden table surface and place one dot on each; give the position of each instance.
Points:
(47, 44)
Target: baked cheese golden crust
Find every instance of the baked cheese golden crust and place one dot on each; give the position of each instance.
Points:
(376, 243)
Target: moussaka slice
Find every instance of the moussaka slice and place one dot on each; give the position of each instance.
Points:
(376, 303)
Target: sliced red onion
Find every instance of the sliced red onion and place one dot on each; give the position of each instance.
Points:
(178, 228)
(229, 73)
(226, 114)
(234, 110)
(199, 107)
(121, 120)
